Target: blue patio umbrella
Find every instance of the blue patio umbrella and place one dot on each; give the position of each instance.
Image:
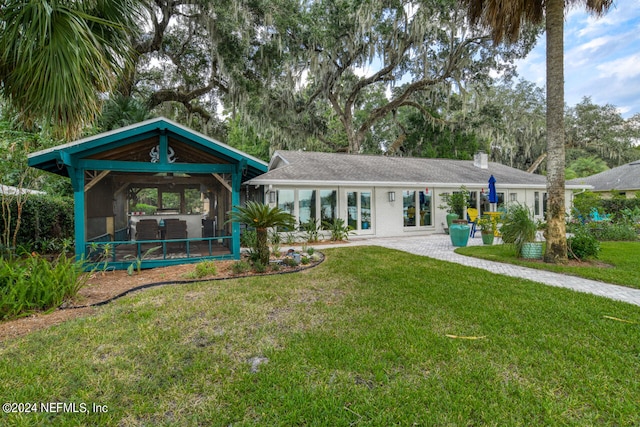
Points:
(493, 195)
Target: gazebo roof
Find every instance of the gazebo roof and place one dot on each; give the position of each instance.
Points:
(124, 144)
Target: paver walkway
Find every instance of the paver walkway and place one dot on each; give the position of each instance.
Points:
(439, 246)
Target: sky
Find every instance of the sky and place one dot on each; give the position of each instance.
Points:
(602, 58)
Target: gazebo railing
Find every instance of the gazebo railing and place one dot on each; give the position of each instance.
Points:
(120, 254)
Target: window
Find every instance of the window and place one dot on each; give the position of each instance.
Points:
(536, 202)
(169, 201)
(307, 206)
(424, 201)
(359, 210)
(286, 200)
(473, 199)
(409, 208)
(365, 210)
(416, 208)
(328, 205)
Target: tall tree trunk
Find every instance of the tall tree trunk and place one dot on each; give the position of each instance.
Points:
(555, 235)
(262, 246)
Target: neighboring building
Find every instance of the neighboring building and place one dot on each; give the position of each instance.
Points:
(622, 180)
(392, 196)
(8, 190)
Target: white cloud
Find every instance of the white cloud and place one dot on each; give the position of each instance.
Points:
(602, 58)
(622, 68)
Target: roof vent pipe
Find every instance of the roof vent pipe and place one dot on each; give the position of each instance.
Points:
(481, 160)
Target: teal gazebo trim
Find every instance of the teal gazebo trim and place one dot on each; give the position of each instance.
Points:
(73, 160)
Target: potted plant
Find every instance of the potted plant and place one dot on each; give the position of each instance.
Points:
(519, 229)
(487, 229)
(454, 204)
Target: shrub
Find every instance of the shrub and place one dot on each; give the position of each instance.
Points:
(240, 267)
(275, 250)
(618, 204)
(339, 231)
(248, 239)
(583, 244)
(44, 218)
(259, 267)
(584, 202)
(311, 231)
(289, 262)
(518, 226)
(206, 268)
(606, 231)
(143, 207)
(31, 283)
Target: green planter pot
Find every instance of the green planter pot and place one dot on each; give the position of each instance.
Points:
(450, 218)
(459, 234)
(487, 238)
(532, 250)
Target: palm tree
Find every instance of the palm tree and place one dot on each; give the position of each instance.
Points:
(58, 56)
(505, 19)
(261, 217)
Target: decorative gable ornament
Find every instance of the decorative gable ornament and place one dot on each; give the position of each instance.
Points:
(155, 154)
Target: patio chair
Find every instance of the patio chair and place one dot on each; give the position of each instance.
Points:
(147, 229)
(595, 216)
(175, 229)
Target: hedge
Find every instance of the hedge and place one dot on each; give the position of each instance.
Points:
(44, 218)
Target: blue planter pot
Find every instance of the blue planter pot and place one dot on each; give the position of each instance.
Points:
(459, 234)
(532, 250)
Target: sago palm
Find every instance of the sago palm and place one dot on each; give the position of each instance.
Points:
(261, 217)
(505, 19)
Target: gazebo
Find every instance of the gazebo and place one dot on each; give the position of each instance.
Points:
(154, 193)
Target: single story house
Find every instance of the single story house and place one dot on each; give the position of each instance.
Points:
(621, 180)
(392, 196)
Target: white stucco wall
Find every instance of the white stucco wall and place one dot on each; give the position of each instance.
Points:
(387, 217)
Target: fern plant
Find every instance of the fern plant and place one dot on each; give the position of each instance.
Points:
(518, 226)
(339, 231)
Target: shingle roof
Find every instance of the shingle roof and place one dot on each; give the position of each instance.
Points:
(312, 167)
(622, 178)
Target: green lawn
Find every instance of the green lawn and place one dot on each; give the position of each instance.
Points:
(618, 262)
(370, 337)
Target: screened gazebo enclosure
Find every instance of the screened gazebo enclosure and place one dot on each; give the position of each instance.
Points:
(154, 192)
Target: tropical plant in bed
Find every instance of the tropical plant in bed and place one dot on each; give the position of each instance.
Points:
(31, 283)
(518, 227)
(311, 230)
(339, 231)
(262, 217)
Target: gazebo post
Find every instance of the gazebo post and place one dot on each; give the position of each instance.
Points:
(77, 181)
(236, 178)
